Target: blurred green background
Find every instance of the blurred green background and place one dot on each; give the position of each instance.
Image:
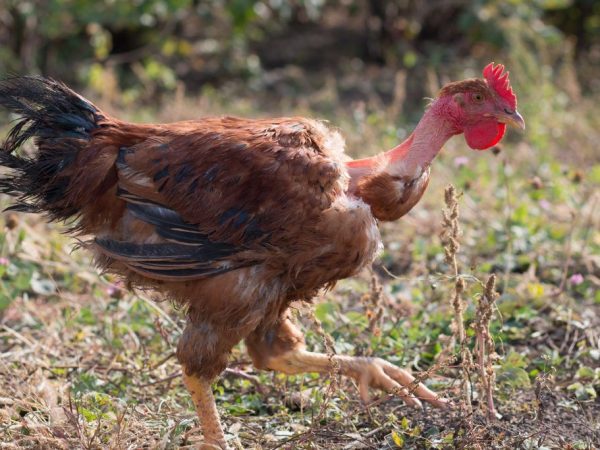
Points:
(392, 52)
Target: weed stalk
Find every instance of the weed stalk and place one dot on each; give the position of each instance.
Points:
(484, 345)
(334, 372)
(450, 238)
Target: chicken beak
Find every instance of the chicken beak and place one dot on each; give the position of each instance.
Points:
(514, 119)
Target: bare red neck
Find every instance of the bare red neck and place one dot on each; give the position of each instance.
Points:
(392, 182)
(409, 158)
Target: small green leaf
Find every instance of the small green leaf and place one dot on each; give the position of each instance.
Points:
(404, 423)
(398, 439)
(324, 311)
(88, 415)
(585, 373)
(514, 359)
(4, 301)
(583, 391)
(594, 174)
(536, 290)
(514, 377)
(416, 431)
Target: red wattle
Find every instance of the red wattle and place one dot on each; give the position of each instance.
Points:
(484, 135)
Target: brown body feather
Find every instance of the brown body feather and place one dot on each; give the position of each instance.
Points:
(391, 197)
(266, 205)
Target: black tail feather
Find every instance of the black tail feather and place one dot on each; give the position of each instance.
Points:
(61, 122)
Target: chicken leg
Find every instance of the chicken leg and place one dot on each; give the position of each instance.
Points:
(368, 373)
(204, 401)
(281, 347)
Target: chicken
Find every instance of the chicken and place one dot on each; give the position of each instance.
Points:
(235, 218)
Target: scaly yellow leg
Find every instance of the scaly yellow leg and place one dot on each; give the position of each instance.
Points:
(201, 393)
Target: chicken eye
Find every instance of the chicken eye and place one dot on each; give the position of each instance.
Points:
(478, 97)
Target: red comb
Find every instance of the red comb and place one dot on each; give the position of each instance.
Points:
(499, 81)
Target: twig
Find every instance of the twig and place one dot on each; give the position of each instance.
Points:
(334, 372)
(162, 361)
(236, 373)
(28, 341)
(162, 380)
(373, 304)
(152, 304)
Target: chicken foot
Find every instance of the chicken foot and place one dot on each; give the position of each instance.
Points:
(204, 401)
(368, 373)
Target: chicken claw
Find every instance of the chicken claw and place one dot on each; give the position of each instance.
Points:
(380, 374)
(367, 371)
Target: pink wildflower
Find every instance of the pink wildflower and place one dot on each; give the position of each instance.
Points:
(461, 161)
(545, 204)
(114, 289)
(576, 279)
